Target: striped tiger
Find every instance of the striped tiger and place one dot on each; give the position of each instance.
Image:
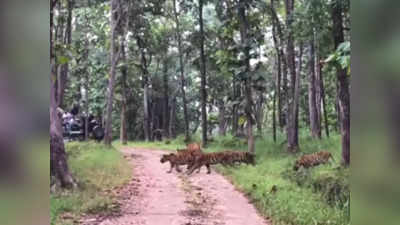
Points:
(232, 157)
(311, 160)
(206, 159)
(175, 160)
(192, 151)
(224, 158)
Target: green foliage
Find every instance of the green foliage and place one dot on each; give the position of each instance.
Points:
(315, 196)
(229, 141)
(97, 169)
(341, 56)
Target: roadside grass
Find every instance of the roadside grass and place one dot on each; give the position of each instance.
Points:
(97, 170)
(314, 196)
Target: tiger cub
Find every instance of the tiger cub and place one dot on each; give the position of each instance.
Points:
(176, 159)
(311, 160)
(193, 146)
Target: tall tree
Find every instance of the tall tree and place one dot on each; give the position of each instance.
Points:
(203, 90)
(276, 95)
(322, 87)
(292, 133)
(221, 117)
(124, 72)
(166, 99)
(62, 79)
(58, 158)
(114, 57)
(145, 84)
(277, 30)
(182, 75)
(245, 45)
(312, 95)
(343, 82)
(172, 120)
(86, 86)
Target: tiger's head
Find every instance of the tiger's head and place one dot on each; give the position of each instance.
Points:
(166, 157)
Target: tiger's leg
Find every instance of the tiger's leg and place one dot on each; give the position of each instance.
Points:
(189, 166)
(208, 168)
(193, 167)
(198, 171)
(172, 166)
(177, 168)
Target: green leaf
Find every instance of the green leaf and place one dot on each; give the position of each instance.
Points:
(332, 57)
(242, 120)
(62, 60)
(344, 61)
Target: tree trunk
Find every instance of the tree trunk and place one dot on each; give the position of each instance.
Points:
(318, 91)
(343, 82)
(274, 107)
(221, 118)
(243, 24)
(337, 108)
(124, 71)
(235, 108)
(259, 113)
(321, 80)
(203, 91)
(59, 36)
(166, 99)
(146, 119)
(58, 159)
(172, 120)
(87, 107)
(114, 59)
(182, 75)
(65, 68)
(292, 135)
(86, 86)
(312, 98)
(297, 91)
(279, 53)
(145, 85)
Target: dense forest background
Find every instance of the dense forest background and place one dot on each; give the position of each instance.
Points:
(154, 70)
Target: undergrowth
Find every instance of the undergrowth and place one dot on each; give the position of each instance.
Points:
(310, 196)
(97, 169)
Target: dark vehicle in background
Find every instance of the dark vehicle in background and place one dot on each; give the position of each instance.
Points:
(74, 127)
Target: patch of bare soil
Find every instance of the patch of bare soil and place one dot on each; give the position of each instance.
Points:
(155, 197)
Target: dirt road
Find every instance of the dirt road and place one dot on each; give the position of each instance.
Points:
(155, 197)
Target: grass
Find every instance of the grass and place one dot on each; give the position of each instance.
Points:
(97, 169)
(315, 196)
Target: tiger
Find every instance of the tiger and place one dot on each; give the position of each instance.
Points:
(193, 146)
(232, 157)
(224, 158)
(311, 160)
(176, 159)
(192, 152)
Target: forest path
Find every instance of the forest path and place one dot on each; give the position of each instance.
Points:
(155, 197)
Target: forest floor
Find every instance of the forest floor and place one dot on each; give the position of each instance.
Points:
(155, 197)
